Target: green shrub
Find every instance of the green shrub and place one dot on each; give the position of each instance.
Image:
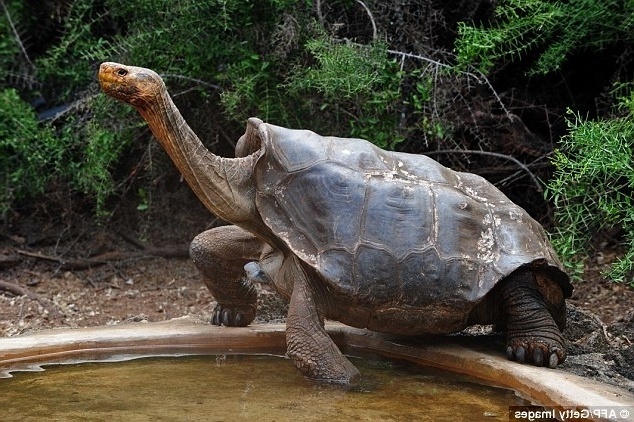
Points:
(33, 154)
(8, 47)
(360, 84)
(593, 187)
(558, 28)
(99, 143)
(29, 152)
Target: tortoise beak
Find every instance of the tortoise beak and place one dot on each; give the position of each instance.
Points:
(114, 80)
(107, 76)
(104, 75)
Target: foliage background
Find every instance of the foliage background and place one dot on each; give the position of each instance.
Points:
(530, 94)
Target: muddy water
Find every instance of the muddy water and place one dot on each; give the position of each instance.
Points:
(244, 388)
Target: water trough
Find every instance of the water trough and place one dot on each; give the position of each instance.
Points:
(551, 388)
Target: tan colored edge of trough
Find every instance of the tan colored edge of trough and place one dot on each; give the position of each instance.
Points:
(547, 387)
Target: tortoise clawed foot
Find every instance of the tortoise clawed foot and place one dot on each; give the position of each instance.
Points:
(349, 377)
(537, 352)
(233, 315)
(332, 368)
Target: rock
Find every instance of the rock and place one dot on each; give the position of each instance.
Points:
(604, 353)
(599, 366)
(585, 332)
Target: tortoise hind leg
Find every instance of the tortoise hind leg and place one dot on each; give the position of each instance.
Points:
(532, 335)
(220, 255)
(308, 345)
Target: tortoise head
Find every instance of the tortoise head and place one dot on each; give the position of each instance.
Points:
(136, 86)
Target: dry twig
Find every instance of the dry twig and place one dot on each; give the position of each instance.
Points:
(18, 290)
(175, 251)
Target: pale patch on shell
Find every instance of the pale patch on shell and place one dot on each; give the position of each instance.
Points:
(302, 254)
(515, 215)
(486, 242)
(471, 192)
(485, 246)
(389, 175)
(458, 184)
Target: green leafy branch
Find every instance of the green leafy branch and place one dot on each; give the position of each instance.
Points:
(558, 27)
(593, 187)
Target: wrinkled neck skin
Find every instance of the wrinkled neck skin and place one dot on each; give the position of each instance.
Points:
(224, 185)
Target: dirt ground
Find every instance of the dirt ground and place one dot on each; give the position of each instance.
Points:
(45, 282)
(63, 272)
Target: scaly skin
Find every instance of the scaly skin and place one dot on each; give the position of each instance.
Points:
(532, 334)
(308, 345)
(220, 255)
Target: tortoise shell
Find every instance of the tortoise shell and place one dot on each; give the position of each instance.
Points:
(385, 228)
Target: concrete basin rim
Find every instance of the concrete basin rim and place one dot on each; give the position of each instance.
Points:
(554, 388)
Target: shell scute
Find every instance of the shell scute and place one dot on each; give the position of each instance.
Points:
(461, 231)
(335, 266)
(296, 150)
(376, 272)
(398, 216)
(422, 267)
(325, 204)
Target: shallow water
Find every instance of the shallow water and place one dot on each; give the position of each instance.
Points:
(244, 388)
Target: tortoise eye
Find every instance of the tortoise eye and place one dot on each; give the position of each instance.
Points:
(122, 72)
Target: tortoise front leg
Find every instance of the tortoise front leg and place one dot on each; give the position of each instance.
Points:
(532, 335)
(220, 255)
(308, 345)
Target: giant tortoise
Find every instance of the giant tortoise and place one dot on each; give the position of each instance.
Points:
(387, 241)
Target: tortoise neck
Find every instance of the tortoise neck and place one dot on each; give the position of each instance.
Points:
(220, 183)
